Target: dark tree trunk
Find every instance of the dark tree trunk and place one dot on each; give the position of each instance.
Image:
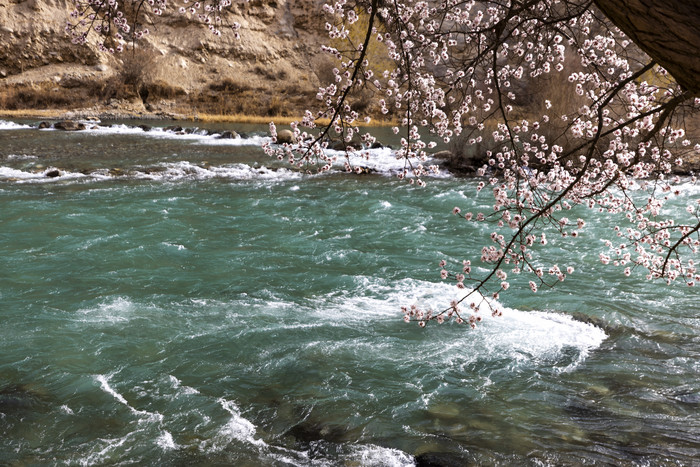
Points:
(667, 30)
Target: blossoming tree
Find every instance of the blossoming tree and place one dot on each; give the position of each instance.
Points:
(563, 108)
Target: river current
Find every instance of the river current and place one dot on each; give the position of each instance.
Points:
(182, 299)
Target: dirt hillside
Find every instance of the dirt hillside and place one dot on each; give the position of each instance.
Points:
(180, 68)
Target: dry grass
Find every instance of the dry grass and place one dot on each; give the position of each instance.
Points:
(31, 113)
(278, 120)
(46, 96)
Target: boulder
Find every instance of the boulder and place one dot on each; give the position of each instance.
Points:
(443, 154)
(173, 128)
(53, 173)
(286, 136)
(229, 135)
(43, 125)
(69, 125)
(144, 127)
(355, 144)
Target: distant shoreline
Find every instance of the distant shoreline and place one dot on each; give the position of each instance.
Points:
(60, 114)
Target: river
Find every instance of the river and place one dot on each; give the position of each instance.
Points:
(180, 299)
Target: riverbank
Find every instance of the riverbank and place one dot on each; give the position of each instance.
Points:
(63, 114)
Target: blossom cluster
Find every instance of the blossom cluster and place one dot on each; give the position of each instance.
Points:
(559, 106)
(609, 139)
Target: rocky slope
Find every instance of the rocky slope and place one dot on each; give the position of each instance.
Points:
(180, 67)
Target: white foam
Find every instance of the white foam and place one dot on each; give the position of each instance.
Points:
(198, 136)
(21, 157)
(371, 456)
(116, 310)
(23, 176)
(525, 338)
(165, 441)
(6, 125)
(255, 140)
(237, 428)
(106, 387)
(384, 161)
(185, 170)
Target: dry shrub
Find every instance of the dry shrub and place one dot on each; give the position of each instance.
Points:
(271, 74)
(229, 85)
(131, 76)
(160, 89)
(46, 96)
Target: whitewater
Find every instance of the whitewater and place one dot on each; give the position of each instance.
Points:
(172, 298)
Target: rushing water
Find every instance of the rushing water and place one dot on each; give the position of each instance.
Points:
(182, 299)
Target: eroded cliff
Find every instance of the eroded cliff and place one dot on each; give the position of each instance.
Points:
(180, 67)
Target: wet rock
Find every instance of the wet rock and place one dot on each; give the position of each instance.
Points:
(173, 128)
(69, 125)
(144, 127)
(228, 135)
(443, 154)
(286, 136)
(376, 145)
(53, 173)
(360, 170)
(43, 125)
(355, 144)
(337, 146)
(610, 329)
(440, 459)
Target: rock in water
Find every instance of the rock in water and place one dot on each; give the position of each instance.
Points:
(229, 135)
(69, 125)
(286, 136)
(441, 459)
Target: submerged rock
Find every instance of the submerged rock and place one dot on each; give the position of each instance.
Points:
(441, 459)
(20, 398)
(308, 432)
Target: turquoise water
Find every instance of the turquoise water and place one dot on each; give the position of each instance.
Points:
(203, 305)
